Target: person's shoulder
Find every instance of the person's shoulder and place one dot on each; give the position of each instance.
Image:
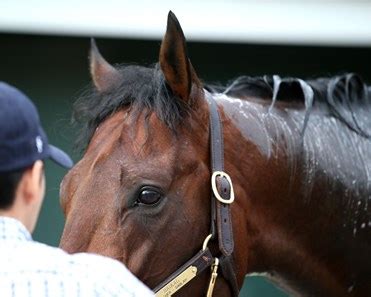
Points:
(109, 276)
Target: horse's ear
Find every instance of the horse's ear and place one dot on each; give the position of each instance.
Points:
(174, 62)
(104, 75)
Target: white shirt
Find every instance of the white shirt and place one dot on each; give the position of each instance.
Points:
(32, 269)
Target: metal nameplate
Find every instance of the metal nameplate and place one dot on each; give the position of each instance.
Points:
(177, 282)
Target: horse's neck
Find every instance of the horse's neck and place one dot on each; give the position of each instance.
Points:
(325, 150)
(299, 196)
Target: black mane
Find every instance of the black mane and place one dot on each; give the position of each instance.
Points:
(145, 88)
(340, 95)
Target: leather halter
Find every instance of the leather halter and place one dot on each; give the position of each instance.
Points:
(222, 196)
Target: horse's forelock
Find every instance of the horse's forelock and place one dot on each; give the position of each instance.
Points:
(140, 88)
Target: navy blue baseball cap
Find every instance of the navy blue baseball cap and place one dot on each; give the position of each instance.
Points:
(22, 139)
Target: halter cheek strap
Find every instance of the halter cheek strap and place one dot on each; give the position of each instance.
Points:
(222, 196)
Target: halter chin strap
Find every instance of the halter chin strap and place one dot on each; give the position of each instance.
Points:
(221, 223)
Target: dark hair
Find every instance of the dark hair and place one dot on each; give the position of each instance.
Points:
(140, 87)
(144, 87)
(8, 185)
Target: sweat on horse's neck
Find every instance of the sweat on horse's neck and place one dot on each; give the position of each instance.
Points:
(304, 215)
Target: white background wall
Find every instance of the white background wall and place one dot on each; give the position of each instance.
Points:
(313, 22)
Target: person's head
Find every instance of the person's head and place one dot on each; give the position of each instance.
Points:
(23, 147)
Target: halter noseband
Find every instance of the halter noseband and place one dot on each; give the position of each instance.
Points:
(221, 224)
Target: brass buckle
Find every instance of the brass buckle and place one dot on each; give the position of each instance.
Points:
(215, 190)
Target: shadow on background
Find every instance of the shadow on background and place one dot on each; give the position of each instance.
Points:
(54, 70)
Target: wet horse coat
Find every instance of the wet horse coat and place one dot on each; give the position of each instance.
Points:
(298, 152)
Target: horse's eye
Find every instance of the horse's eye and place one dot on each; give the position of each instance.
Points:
(148, 196)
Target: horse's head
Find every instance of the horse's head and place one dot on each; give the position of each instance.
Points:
(141, 192)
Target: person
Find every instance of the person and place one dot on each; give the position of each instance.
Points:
(29, 268)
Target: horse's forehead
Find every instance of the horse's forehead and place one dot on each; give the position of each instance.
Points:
(121, 140)
(125, 138)
(132, 132)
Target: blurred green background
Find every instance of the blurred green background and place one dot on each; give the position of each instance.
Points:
(54, 70)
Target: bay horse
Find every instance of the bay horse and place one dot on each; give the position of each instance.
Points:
(298, 154)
